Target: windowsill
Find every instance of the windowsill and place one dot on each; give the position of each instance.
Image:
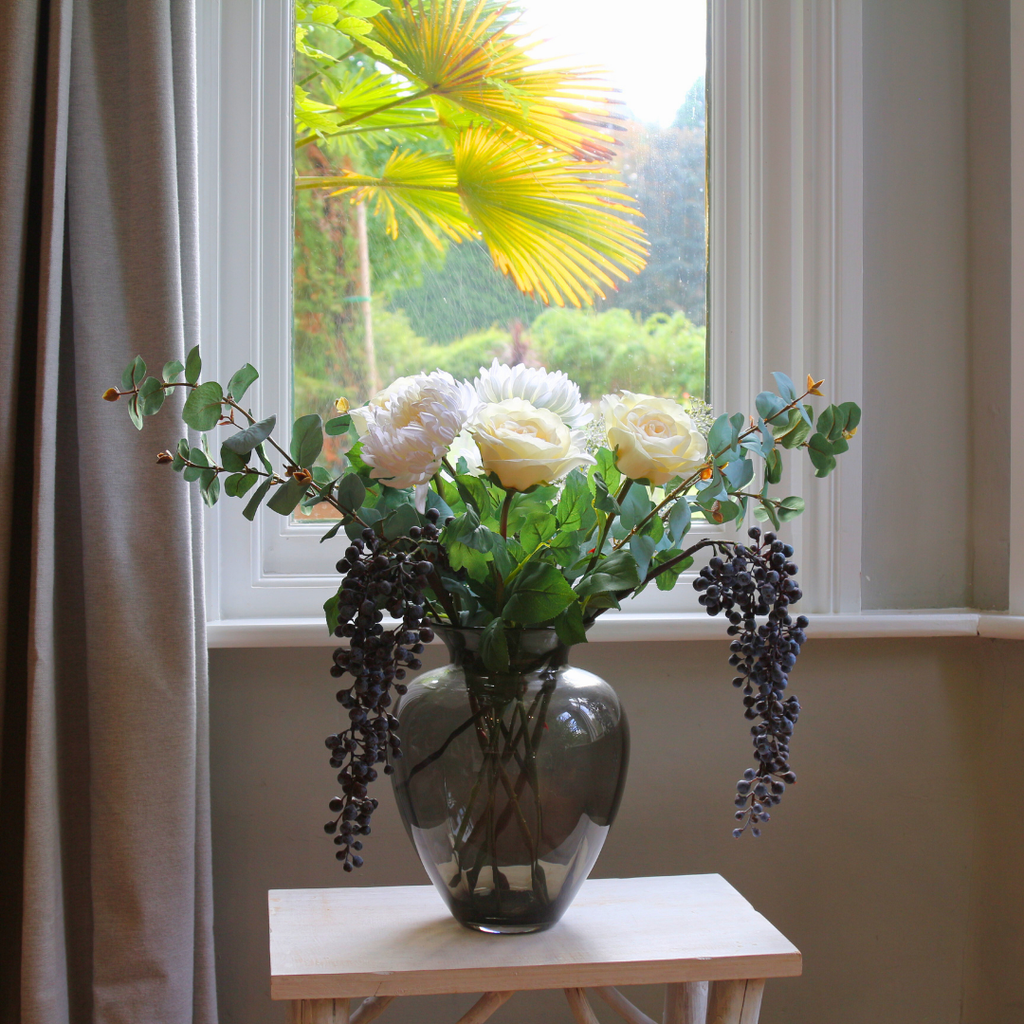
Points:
(625, 627)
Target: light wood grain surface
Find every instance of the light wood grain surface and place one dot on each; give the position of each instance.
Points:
(401, 940)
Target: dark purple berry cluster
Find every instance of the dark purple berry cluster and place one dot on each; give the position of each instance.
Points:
(380, 576)
(749, 583)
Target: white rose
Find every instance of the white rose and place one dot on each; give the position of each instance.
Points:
(525, 446)
(656, 437)
(406, 430)
(543, 389)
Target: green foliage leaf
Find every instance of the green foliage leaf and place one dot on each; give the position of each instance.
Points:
(263, 457)
(256, 500)
(607, 468)
(537, 529)
(398, 523)
(286, 497)
(666, 579)
(634, 507)
(307, 439)
(614, 573)
(339, 425)
(473, 491)
(241, 381)
(172, 370)
(569, 625)
(603, 498)
(538, 593)
(773, 467)
(369, 516)
(193, 366)
(722, 436)
(151, 396)
(331, 532)
(351, 492)
(331, 612)
(852, 412)
(494, 646)
(203, 405)
(575, 508)
(434, 500)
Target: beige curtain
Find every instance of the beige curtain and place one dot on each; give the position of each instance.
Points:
(105, 907)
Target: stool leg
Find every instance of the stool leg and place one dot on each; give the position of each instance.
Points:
(370, 1009)
(318, 1011)
(581, 1010)
(735, 1002)
(686, 1002)
(484, 1007)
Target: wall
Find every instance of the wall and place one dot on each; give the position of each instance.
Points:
(900, 839)
(895, 864)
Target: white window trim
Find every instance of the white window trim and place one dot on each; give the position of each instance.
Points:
(786, 230)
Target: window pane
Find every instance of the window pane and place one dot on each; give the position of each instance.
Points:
(369, 307)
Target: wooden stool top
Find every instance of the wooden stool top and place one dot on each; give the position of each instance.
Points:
(401, 940)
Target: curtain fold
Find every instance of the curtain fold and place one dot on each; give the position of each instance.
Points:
(104, 779)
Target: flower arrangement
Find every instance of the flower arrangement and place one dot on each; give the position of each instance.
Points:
(505, 504)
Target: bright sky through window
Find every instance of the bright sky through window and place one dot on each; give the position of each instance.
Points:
(653, 51)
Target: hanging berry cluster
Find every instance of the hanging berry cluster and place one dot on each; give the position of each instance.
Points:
(751, 582)
(380, 576)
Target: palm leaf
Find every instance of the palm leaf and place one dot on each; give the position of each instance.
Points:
(469, 57)
(560, 227)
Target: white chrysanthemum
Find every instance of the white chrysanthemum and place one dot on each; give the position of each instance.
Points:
(543, 389)
(525, 446)
(407, 429)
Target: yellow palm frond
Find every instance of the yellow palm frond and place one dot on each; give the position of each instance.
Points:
(469, 56)
(421, 185)
(560, 227)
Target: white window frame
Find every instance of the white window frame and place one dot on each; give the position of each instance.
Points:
(785, 283)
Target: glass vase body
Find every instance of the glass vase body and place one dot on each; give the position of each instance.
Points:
(509, 780)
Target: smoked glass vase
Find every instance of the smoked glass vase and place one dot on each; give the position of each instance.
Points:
(509, 780)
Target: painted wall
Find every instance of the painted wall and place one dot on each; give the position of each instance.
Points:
(896, 862)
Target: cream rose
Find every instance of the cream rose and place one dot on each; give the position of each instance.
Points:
(525, 446)
(656, 437)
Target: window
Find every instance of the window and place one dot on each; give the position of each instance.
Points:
(784, 126)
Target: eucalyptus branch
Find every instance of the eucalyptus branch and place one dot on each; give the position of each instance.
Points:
(681, 489)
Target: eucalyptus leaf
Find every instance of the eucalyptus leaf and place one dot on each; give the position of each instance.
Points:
(338, 425)
(738, 473)
(209, 487)
(256, 500)
(332, 532)
(133, 374)
(231, 461)
(351, 492)
(642, 548)
(193, 366)
(172, 370)
(203, 406)
(768, 404)
(286, 497)
(679, 520)
(331, 612)
(241, 380)
(307, 439)
(790, 508)
(133, 412)
(786, 387)
(151, 396)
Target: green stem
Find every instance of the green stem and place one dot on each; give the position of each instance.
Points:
(505, 506)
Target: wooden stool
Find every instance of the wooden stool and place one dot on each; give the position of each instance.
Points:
(694, 933)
